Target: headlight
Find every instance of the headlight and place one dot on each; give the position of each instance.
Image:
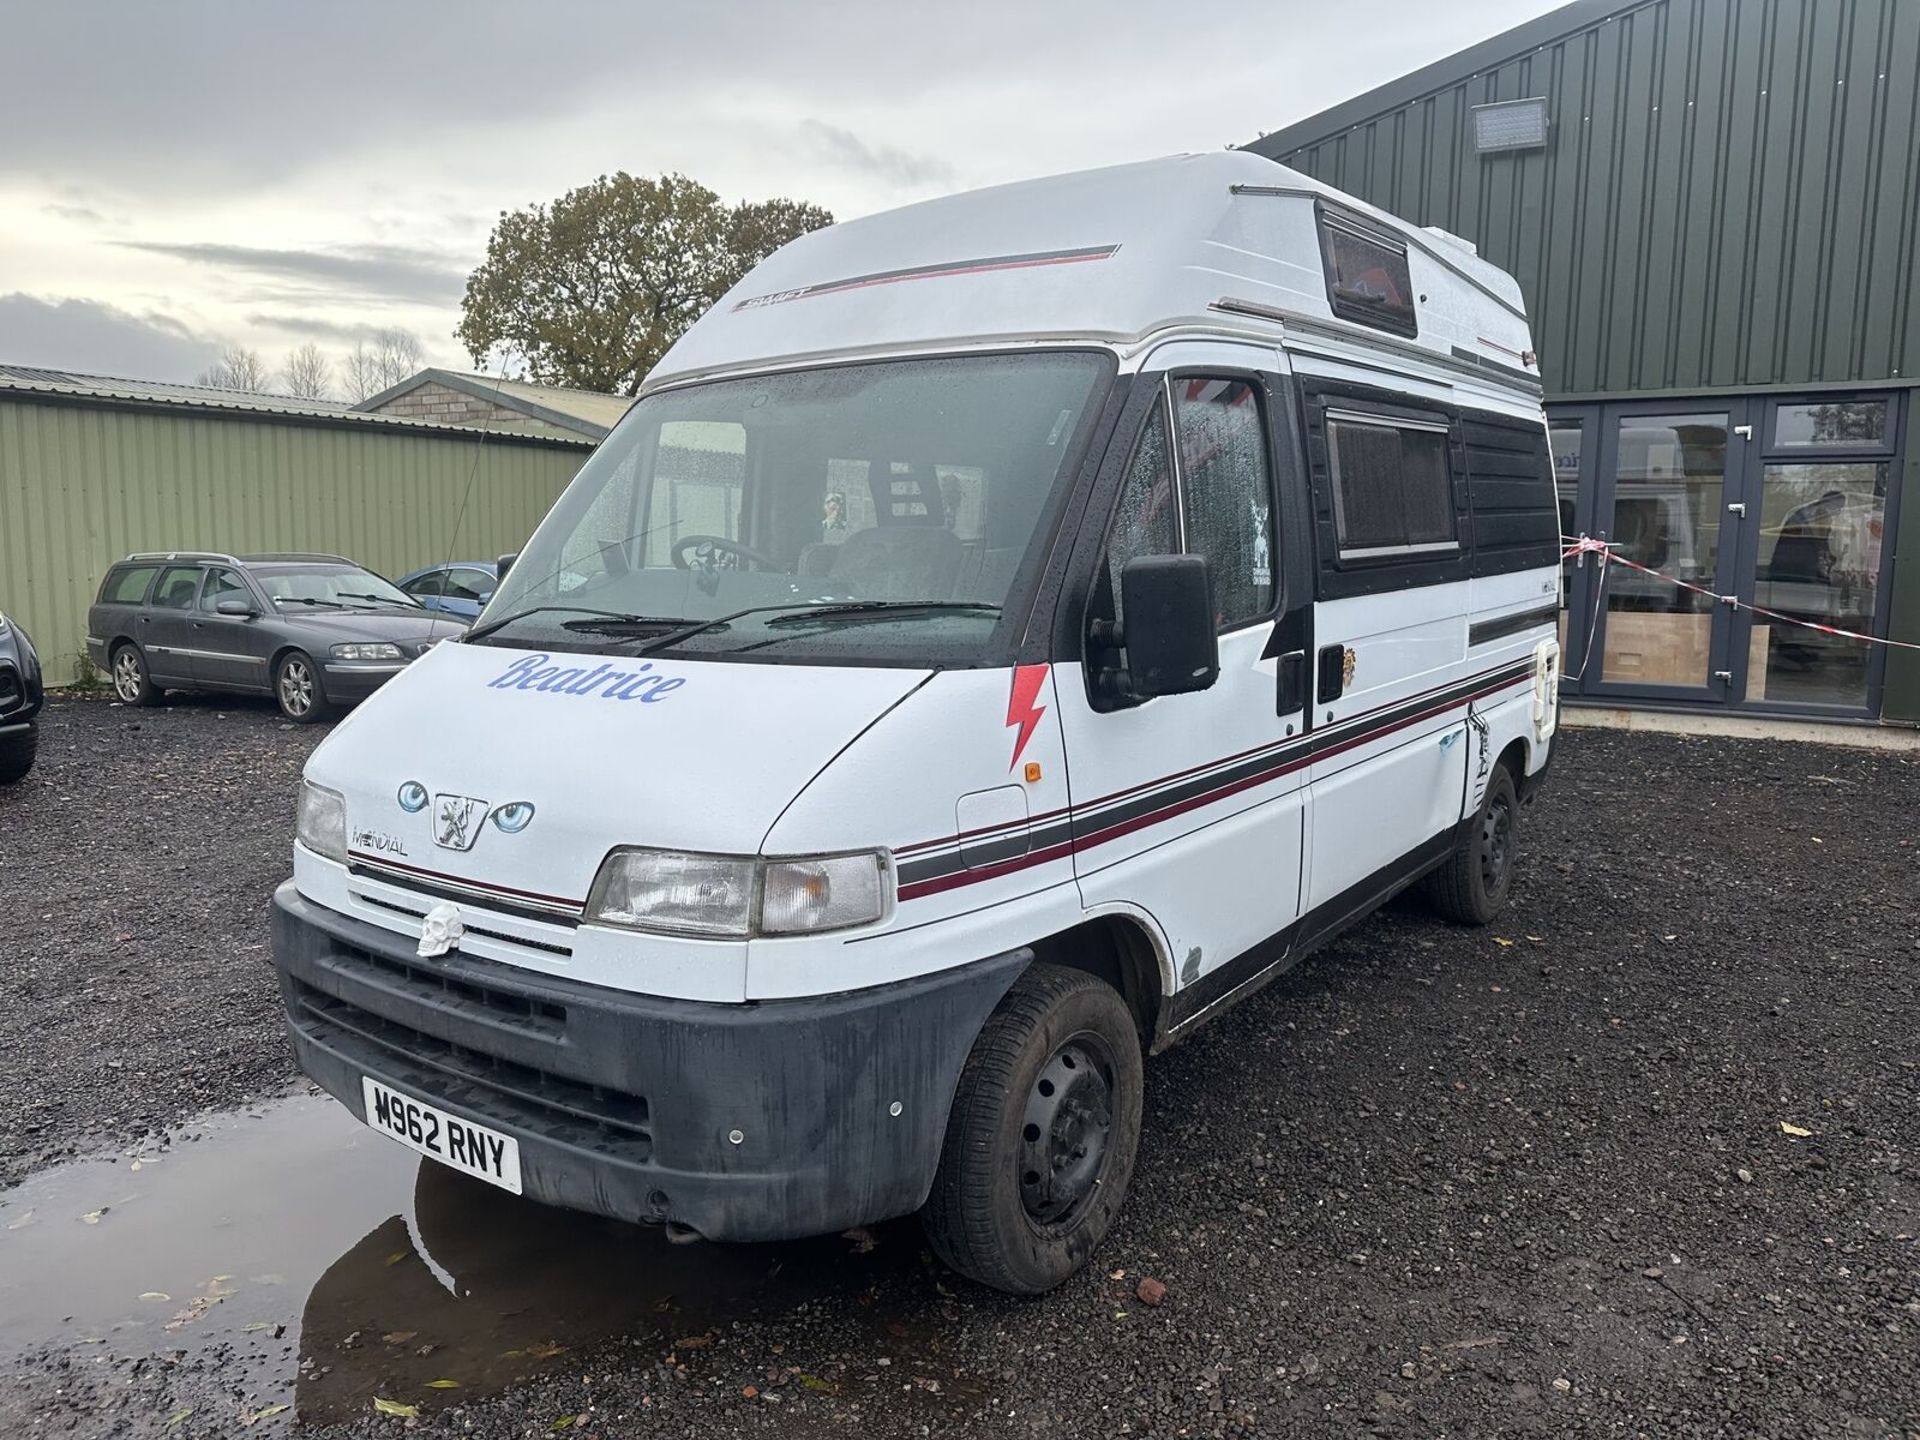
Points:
(366, 652)
(3, 622)
(322, 826)
(734, 897)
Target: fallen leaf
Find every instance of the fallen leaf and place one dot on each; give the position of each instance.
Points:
(24, 1221)
(861, 1237)
(751, 1392)
(1792, 1129)
(395, 1407)
(1150, 1291)
(565, 1422)
(694, 1342)
(92, 1217)
(1501, 940)
(178, 1418)
(396, 1257)
(546, 1349)
(256, 1325)
(266, 1412)
(155, 1295)
(443, 1384)
(399, 1337)
(814, 1382)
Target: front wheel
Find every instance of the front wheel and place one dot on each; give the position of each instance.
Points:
(17, 750)
(1472, 886)
(1040, 1142)
(296, 686)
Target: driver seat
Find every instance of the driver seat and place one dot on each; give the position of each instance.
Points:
(898, 562)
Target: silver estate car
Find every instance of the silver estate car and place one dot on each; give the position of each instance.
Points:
(313, 631)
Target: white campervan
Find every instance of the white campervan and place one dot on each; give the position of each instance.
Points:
(1005, 632)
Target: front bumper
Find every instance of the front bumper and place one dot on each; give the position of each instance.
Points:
(21, 691)
(624, 1104)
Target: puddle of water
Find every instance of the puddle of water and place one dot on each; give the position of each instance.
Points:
(329, 1265)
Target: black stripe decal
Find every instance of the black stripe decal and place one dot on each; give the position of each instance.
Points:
(1512, 624)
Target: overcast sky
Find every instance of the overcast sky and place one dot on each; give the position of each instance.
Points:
(182, 174)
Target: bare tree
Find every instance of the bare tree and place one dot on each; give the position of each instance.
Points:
(389, 357)
(237, 369)
(307, 373)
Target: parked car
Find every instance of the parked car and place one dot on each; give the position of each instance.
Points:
(20, 700)
(460, 587)
(894, 734)
(313, 631)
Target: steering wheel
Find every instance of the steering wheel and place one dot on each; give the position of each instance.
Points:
(716, 552)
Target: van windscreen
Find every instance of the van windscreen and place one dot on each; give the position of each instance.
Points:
(898, 500)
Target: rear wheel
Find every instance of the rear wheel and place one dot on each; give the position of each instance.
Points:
(1040, 1142)
(131, 682)
(296, 686)
(1471, 888)
(16, 754)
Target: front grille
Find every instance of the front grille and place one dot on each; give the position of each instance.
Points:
(433, 986)
(419, 912)
(505, 1091)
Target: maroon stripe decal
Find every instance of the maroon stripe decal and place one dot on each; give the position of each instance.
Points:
(1096, 838)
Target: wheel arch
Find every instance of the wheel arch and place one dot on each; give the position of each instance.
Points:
(1123, 947)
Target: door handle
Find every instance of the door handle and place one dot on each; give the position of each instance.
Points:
(1292, 696)
(1737, 507)
(1332, 683)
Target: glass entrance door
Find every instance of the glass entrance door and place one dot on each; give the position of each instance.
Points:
(1668, 498)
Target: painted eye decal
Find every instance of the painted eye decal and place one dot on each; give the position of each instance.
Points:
(413, 797)
(514, 817)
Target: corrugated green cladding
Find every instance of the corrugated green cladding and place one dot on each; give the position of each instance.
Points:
(1729, 198)
(83, 485)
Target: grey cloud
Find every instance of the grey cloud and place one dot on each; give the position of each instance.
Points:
(889, 163)
(79, 214)
(99, 339)
(313, 327)
(384, 271)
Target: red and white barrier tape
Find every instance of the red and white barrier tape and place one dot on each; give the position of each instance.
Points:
(1587, 545)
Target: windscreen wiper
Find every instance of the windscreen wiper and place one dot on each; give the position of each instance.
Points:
(378, 599)
(621, 624)
(881, 609)
(506, 620)
(308, 600)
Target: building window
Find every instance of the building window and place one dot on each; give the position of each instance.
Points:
(1367, 276)
(1391, 491)
(1831, 425)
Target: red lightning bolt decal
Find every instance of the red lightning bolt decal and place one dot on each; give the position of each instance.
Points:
(1021, 707)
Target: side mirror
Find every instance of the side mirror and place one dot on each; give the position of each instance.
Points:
(242, 609)
(504, 564)
(1169, 636)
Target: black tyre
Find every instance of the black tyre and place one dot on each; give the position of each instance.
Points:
(16, 754)
(1040, 1142)
(1472, 886)
(131, 682)
(296, 688)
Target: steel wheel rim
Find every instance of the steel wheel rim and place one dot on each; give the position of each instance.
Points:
(126, 675)
(1066, 1132)
(1496, 844)
(296, 687)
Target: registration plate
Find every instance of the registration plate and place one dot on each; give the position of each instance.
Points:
(469, 1148)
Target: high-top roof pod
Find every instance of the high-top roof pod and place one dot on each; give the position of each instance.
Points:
(1124, 255)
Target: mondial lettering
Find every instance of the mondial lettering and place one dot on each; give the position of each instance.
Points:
(534, 672)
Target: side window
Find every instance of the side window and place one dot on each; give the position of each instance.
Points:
(1144, 522)
(468, 584)
(434, 582)
(1226, 493)
(1391, 491)
(223, 585)
(177, 586)
(127, 585)
(1367, 276)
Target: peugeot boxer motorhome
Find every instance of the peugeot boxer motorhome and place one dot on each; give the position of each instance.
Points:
(1005, 632)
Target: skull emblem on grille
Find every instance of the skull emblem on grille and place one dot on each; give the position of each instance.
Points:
(441, 931)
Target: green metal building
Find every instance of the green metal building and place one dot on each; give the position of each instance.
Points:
(1713, 207)
(92, 469)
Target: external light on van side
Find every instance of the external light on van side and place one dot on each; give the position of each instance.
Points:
(731, 897)
(322, 826)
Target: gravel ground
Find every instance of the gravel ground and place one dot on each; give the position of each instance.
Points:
(1531, 1180)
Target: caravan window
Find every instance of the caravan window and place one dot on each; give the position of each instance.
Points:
(1391, 492)
(1367, 277)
